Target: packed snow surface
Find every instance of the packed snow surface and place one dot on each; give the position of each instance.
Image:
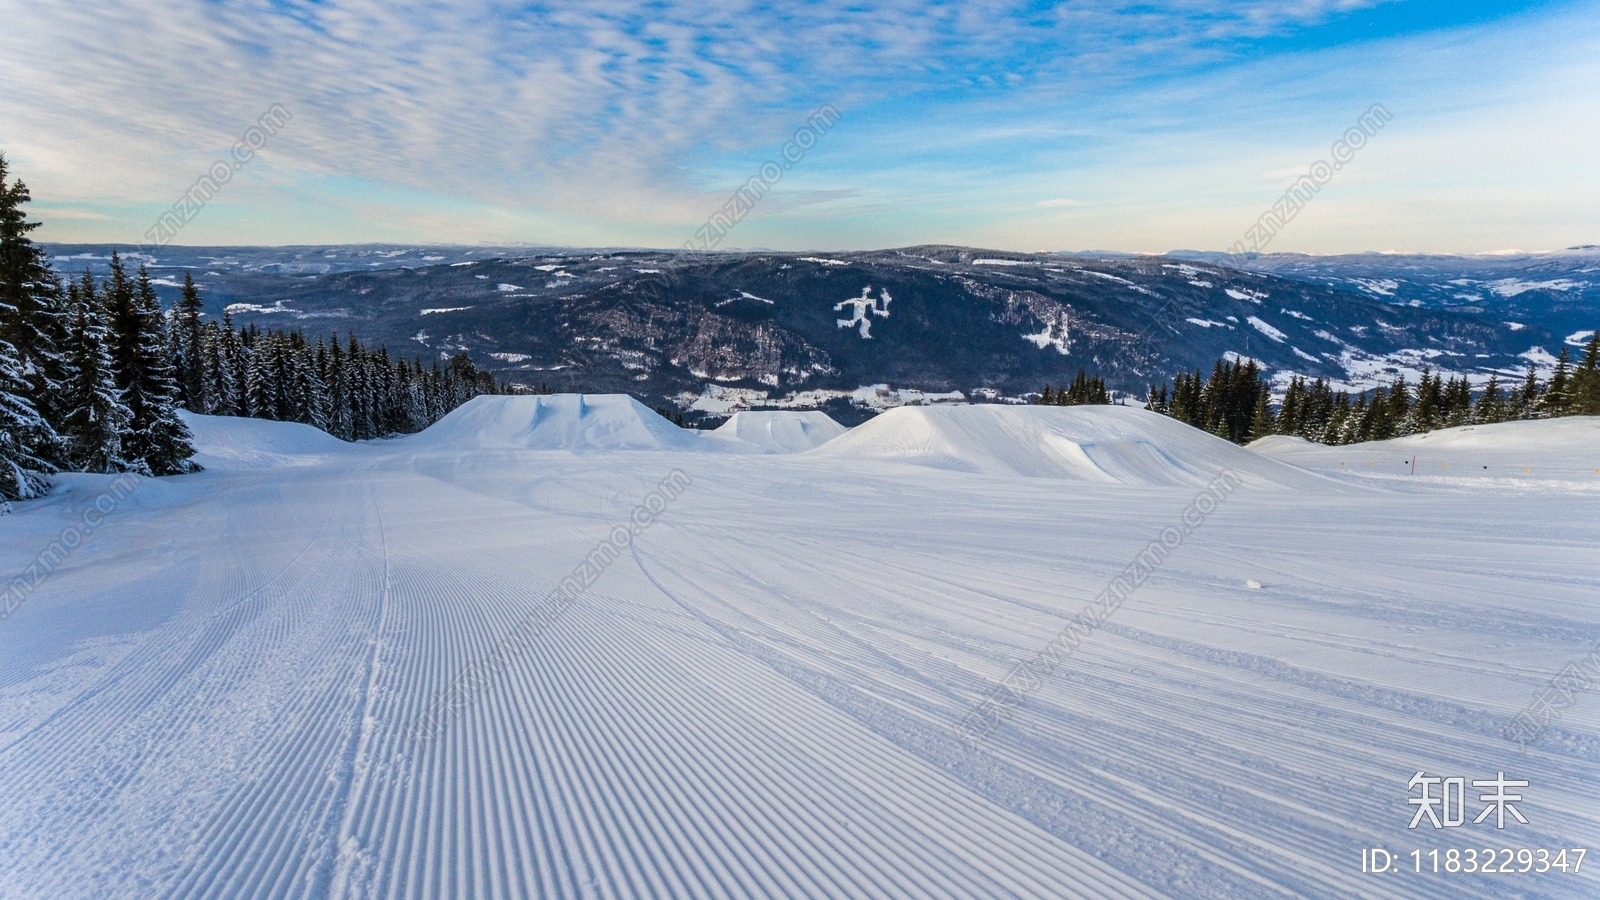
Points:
(231, 443)
(779, 431)
(554, 422)
(1106, 444)
(1555, 454)
(337, 671)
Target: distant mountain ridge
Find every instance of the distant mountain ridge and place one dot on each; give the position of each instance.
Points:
(1558, 291)
(724, 331)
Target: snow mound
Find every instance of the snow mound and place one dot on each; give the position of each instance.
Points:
(554, 422)
(1107, 444)
(1565, 450)
(224, 443)
(784, 431)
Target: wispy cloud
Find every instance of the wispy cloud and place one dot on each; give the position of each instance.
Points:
(616, 121)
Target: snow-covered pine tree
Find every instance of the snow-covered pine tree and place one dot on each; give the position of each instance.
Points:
(1291, 412)
(220, 391)
(158, 442)
(1322, 404)
(187, 357)
(1334, 431)
(401, 419)
(1456, 408)
(1380, 424)
(22, 431)
(260, 391)
(1525, 402)
(283, 349)
(385, 422)
(1399, 412)
(1425, 413)
(32, 318)
(419, 395)
(308, 389)
(1586, 380)
(436, 398)
(240, 357)
(1490, 407)
(1558, 395)
(1262, 423)
(338, 393)
(361, 398)
(98, 422)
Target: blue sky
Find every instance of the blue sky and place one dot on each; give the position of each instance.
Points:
(1146, 126)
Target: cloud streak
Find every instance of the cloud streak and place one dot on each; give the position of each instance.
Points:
(613, 122)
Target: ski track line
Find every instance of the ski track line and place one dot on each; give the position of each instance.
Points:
(773, 721)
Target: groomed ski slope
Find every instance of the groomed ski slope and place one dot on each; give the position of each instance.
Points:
(1547, 454)
(290, 676)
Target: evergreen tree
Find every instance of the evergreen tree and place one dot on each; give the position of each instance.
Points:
(260, 388)
(1426, 414)
(1457, 406)
(1586, 380)
(32, 323)
(339, 421)
(157, 441)
(220, 391)
(1334, 431)
(233, 360)
(1355, 421)
(1525, 402)
(1490, 409)
(1291, 412)
(1399, 411)
(1263, 423)
(186, 353)
(1558, 396)
(22, 430)
(99, 420)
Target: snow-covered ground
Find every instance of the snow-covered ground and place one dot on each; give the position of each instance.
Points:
(325, 670)
(1554, 455)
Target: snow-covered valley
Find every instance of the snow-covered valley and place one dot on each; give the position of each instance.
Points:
(558, 647)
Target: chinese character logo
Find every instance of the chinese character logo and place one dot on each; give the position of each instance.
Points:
(1443, 800)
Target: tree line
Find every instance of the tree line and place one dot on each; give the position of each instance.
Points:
(1084, 390)
(93, 373)
(1235, 403)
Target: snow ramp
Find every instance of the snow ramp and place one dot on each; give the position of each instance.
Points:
(780, 431)
(1105, 444)
(224, 443)
(582, 422)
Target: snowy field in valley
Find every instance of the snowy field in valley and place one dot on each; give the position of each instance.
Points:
(330, 670)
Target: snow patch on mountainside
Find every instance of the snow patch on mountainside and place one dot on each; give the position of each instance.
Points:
(1511, 287)
(1266, 329)
(863, 306)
